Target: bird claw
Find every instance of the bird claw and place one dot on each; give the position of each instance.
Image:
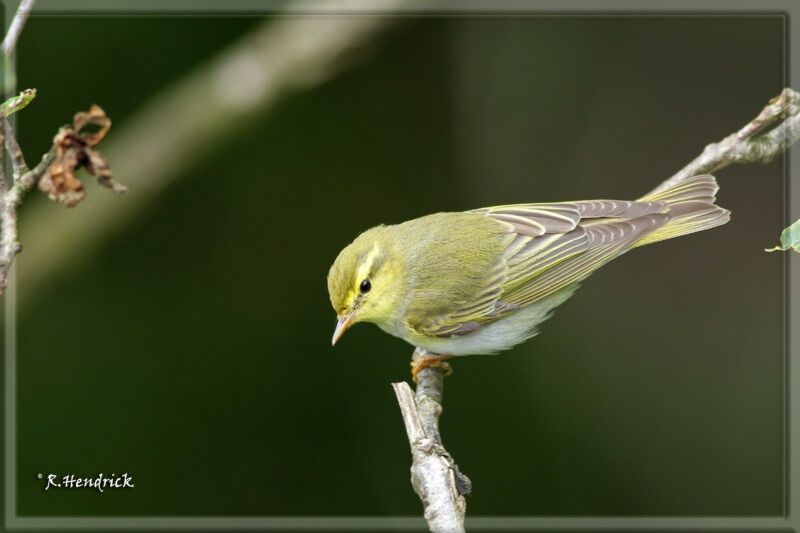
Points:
(435, 361)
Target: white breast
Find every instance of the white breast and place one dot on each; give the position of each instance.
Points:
(496, 336)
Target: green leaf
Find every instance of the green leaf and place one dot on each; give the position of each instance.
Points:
(790, 238)
(15, 103)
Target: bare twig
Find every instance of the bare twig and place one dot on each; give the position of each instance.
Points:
(9, 247)
(434, 474)
(30, 178)
(24, 180)
(745, 146)
(9, 242)
(11, 38)
(19, 166)
(71, 149)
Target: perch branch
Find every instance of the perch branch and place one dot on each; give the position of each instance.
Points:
(434, 475)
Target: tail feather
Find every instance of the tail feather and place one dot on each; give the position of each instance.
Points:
(691, 208)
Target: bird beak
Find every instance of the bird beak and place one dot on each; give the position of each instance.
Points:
(344, 322)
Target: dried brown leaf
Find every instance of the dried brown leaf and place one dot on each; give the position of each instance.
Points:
(94, 117)
(74, 151)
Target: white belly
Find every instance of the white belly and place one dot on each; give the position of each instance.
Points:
(497, 336)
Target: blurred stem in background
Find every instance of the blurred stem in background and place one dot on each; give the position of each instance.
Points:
(12, 36)
(177, 125)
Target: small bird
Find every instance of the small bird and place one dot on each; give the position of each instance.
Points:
(482, 281)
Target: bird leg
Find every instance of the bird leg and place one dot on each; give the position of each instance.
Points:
(431, 361)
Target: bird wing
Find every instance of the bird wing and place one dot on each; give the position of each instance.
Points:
(552, 247)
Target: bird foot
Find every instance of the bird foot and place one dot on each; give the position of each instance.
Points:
(434, 361)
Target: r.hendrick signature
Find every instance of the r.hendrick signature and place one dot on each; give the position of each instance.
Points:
(99, 483)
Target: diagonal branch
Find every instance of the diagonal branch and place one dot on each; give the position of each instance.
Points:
(745, 146)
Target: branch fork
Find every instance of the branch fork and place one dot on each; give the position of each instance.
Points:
(55, 174)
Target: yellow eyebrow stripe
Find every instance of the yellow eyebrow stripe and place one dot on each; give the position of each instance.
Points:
(366, 266)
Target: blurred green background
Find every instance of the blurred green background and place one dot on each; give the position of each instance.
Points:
(192, 348)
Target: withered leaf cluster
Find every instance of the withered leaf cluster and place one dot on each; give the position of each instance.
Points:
(74, 148)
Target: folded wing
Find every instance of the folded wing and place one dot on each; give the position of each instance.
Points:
(553, 246)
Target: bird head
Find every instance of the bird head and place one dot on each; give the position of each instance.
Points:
(366, 281)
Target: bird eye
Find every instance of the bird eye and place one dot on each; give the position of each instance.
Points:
(365, 286)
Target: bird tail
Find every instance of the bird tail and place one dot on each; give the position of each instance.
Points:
(691, 208)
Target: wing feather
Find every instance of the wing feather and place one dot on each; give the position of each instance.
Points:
(618, 208)
(606, 240)
(551, 218)
(554, 246)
